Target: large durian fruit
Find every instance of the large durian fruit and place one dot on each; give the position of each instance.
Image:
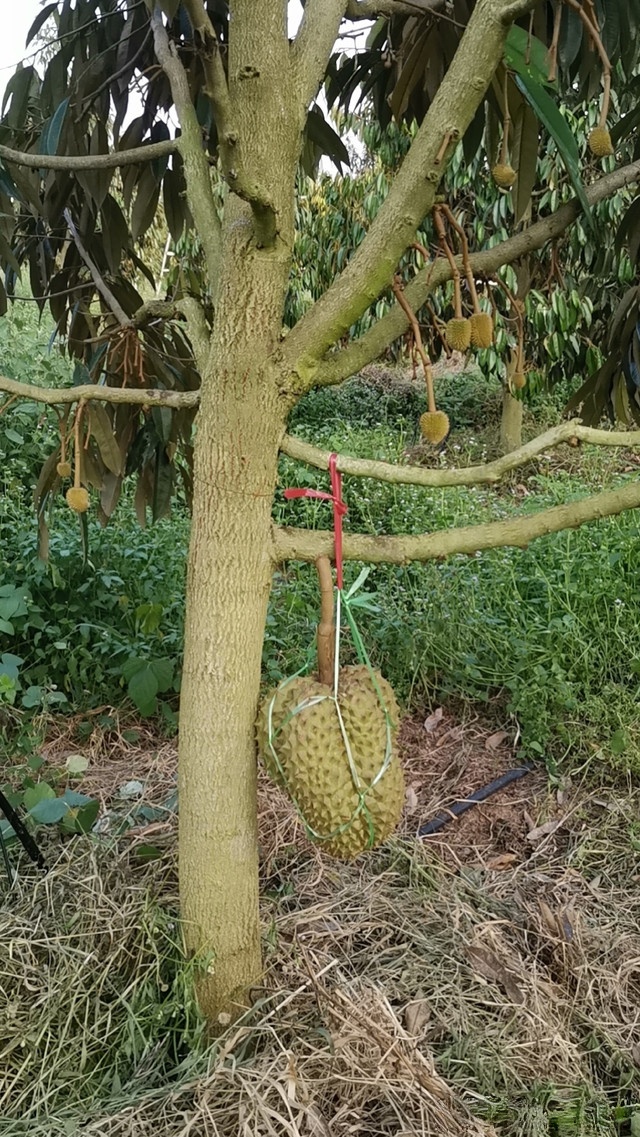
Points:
(313, 765)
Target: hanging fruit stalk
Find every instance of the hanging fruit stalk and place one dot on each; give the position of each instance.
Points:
(518, 378)
(459, 328)
(503, 172)
(326, 628)
(599, 140)
(77, 496)
(481, 322)
(553, 50)
(434, 424)
(63, 469)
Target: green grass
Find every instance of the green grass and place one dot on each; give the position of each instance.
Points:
(550, 635)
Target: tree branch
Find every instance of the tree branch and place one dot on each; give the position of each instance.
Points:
(101, 285)
(410, 198)
(341, 364)
(71, 162)
(53, 397)
(516, 9)
(199, 333)
(217, 87)
(196, 167)
(312, 47)
(308, 545)
(488, 474)
(371, 9)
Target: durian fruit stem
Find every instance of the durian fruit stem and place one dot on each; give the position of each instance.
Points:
(398, 290)
(455, 272)
(504, 151)
(466, 261)
(553, 50)
(326, 636)
(590, 23)
(77, 446)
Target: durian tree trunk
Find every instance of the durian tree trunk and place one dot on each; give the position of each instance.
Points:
(510, 423)
(239, 429)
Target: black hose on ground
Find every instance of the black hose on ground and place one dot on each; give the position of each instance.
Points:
(459, 807)
(22, 833)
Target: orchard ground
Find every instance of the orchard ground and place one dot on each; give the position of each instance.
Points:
(483, 978)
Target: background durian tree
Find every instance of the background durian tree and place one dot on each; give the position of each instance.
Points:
(225, 117)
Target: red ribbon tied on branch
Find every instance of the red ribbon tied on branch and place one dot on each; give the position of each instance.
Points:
(339, 509)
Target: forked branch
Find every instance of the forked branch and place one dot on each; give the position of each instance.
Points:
(410, 198)
(341, 364)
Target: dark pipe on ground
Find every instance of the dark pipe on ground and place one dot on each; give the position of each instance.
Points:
(459, 807)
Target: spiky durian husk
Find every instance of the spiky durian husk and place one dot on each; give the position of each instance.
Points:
(599, 142)
(503, 175)
(518, 380)
(312, 761)
(77, 499)
(63, 469)
(434, 426)
(459, 333)
(481, 329)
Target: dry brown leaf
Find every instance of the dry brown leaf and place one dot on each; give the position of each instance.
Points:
(431, 723)
(416, 1016)
(543, 830)
(411, 799)
(549, 918)
(502, 862)
(485, 963)
(495, 741)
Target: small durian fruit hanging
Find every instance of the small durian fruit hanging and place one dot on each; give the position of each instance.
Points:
(503, 172)
(599, 139)
(63, 469)
(458, 331)
(599, 142)
(77, 496)
(519, 380)
(503, 175)
(458, 328)
(481, 323)
(434, 426)
(77, 499)
(481, 329)
(348, 806)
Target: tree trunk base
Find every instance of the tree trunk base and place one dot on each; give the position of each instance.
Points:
(510, 423)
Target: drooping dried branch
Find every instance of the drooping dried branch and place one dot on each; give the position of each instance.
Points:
(87, 392)
(111, 161)
(196, 167)
(487, 474)
(518, 532)
(341, 364)
(98, 280)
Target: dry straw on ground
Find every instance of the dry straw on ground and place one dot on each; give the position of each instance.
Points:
(401, 996)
